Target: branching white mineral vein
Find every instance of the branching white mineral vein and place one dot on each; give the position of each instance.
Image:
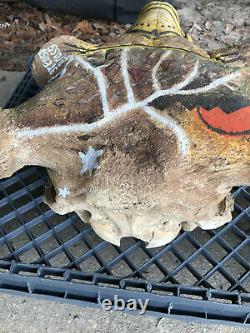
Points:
(125, 75)
(111, 115)
(170, 123)
(100, 78)
(156, 84)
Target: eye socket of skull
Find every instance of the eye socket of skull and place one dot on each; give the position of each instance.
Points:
(50, 192)
(86, 216)
(225, 206)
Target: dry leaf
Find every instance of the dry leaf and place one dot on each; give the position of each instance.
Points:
(83, 26)
(48, 21)
(42, 26)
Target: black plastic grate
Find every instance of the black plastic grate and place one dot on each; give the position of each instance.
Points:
(202, 274)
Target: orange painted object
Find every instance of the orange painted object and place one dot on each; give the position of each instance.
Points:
(234, 123)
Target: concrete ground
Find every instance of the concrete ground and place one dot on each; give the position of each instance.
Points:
(22, 314)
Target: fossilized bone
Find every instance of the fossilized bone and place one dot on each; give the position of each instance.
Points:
(141, 137)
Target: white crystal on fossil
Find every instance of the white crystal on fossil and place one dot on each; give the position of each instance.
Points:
(89, 160)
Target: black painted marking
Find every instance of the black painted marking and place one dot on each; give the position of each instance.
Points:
(155, 32)
(220, 99)
(121, 46)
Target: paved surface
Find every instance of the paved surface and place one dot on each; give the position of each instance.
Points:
(21, 315)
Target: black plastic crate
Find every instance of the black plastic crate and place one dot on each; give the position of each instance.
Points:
(201, 275)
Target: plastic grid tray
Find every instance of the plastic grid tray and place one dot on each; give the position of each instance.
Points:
(202, 275)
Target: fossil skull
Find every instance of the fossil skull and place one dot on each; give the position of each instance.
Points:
(141, 137)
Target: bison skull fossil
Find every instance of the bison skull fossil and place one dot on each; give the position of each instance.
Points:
(141, 137)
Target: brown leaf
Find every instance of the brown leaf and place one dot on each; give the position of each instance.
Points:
(83, 26)
(42, 26)
(49, 22)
